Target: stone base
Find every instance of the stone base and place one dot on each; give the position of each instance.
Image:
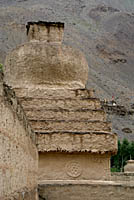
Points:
(72, 166)
(23, 195)
(85, 190)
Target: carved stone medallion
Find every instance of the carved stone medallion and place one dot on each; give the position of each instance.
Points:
(73, 169)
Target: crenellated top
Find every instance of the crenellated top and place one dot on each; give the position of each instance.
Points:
(45, 31)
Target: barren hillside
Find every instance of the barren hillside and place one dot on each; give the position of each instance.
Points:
(103, 30)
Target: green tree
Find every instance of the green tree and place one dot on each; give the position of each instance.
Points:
(116, 160)
(132, 150)
(125, 152)
(1, 67)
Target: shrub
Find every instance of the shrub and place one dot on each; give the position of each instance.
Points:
(125, 152)
(1, 67)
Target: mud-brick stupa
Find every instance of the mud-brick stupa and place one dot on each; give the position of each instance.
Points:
(74, 139)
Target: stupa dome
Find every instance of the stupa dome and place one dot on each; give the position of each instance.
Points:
(44, 61)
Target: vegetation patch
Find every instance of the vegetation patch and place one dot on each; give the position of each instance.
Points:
(1, 67)
(125, 152)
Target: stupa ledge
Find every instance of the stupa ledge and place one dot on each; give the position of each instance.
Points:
(92, 142)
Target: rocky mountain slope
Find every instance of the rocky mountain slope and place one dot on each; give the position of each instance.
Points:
(103, 30)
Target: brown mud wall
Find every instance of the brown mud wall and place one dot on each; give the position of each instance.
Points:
(18, 153)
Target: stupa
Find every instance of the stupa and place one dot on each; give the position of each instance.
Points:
(74, 139)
